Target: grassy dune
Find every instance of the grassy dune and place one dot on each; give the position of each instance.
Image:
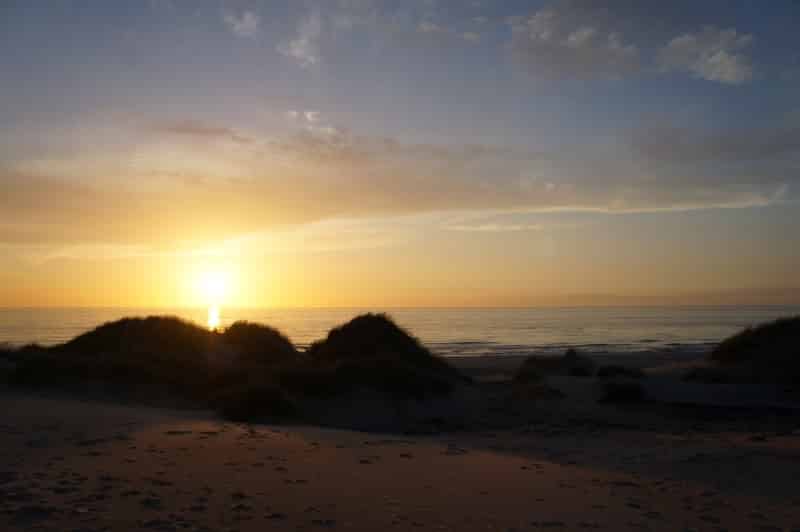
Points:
(247, 371)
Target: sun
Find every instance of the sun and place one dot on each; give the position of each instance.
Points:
(212, 287)
(213, 318)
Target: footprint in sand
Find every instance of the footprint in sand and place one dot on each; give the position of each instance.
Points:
(177, 432)
(152, 503)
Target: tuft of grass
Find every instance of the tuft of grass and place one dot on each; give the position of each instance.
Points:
(396, 379)
(258, 344)
(714, 375)
(612, 371)
(256, 401)
(262, 374)
(625, 391)
(769, 352)
(776, 342)
(572, 363)
(136, 336)
(158, 351)
(373, 335)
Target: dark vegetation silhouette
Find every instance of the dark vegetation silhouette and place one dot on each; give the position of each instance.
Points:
(613, 371)
(132, 353)
(623, 391)
(620, 384)
(247, 371)
(572, 364)
(773, 344)
(258, 344)
(769, 352)
(369, 353)
(251, 371)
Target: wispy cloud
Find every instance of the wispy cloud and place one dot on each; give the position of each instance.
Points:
(198, 129)
(244, 24)
(471, 36)
(712, 54)
(304, 47)
(555, 42)
(321, 171)
(434, 29)
(427, 26)
(494, 228)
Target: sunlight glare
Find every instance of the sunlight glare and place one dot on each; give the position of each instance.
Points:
(212, 286)
(213, 317)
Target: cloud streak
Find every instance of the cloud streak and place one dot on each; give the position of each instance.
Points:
(304, 47)
(553, 42)
(712, 54)
(321, 172)
(201, 130)
(245, 24)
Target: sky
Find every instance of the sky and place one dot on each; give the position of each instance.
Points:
(373, 153)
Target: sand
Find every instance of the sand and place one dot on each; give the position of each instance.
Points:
(77, 465)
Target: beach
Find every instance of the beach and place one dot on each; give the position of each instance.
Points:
(369, 431)
(92, 465)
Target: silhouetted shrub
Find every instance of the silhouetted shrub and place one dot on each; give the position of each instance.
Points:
(772, 348)
(528, 373)
(256, 401)
(371, 351)
(163, 352)
(623, 391)
(135, 336)
(571, 364)
(6, 351)
(731, 374)
(15, 354)
(613, 371)
(530, 384)
(259, 344)
(394, 378)
(248, 371)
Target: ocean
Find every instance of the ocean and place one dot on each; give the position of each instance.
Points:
(449, 332)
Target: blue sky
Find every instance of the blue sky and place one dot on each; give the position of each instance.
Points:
(499, 121)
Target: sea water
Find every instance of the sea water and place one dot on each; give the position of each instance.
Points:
(448, 331)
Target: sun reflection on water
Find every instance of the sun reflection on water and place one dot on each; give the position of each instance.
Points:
(213, 317)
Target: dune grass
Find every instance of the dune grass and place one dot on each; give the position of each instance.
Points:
(247, 371)
(613, 371)
(257, 344)
(776, 343)
(623, 391)
(572, 364)
(765, 353)
(131, 353)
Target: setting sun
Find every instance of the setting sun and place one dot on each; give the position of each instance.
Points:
(213, 317)
(212, 286)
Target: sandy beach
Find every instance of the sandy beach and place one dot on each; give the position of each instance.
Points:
(85, 465)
